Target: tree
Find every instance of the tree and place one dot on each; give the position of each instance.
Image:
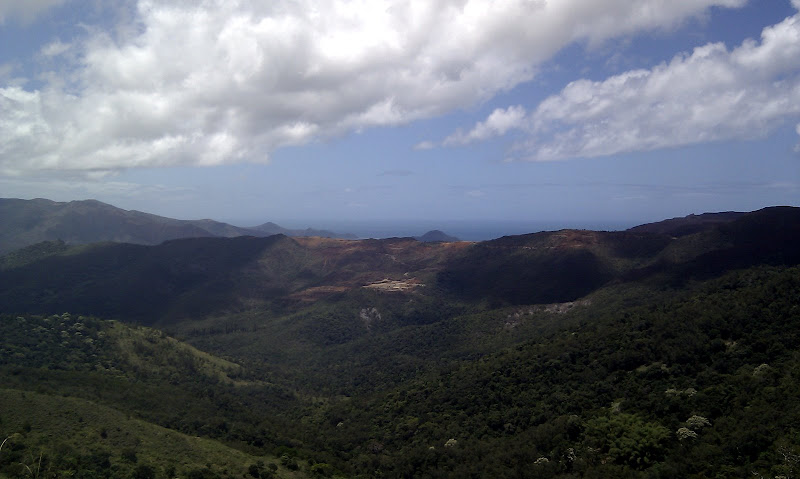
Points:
(143, 471)
(628, 439)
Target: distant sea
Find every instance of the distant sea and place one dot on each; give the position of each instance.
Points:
(464, 230)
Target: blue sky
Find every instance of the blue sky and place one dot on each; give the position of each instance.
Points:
(318, 113)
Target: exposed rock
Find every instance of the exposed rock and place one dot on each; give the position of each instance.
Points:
(369, 316)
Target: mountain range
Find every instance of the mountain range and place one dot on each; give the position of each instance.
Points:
(667, 350)
(27, 222)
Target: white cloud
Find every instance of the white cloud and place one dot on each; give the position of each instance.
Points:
(711, 94)
(25, 10)
(499, 122)
(425, 145)
(55, 48)
(206, 83)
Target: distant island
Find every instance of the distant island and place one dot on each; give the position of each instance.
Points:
(436, 236)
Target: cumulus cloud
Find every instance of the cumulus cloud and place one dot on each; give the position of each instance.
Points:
(25, 10)
(499, 122)
(207, 83)
(707, 95)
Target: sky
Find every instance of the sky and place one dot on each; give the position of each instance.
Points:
(329, 112)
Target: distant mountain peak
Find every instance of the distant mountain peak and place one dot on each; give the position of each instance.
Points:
(436, 236)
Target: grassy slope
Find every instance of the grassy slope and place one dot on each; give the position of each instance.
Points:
(69, 362)
(56, 423)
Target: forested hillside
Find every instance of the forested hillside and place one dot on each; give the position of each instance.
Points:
(85, 397)
(559, 354)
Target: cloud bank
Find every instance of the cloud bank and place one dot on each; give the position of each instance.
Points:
(710, 94)
(214, 82)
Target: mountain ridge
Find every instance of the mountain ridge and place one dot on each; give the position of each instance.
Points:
(189, 275)
(686, 225)
(27, 222)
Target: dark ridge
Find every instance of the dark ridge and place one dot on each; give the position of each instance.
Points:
(137, 282)
(537, 268)
(768, 236)
(687, 225)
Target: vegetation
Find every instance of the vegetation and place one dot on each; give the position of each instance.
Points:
(77, 384)
(605, 392)
(62, 436)
(566, 355)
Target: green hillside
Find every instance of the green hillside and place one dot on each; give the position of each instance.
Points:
(55, 436)
(164, 389)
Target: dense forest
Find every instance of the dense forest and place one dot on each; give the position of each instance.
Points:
(568, 354)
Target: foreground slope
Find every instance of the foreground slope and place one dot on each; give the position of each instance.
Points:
(78, 437)
(99, 397)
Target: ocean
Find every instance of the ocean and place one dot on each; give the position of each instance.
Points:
(464, 230)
